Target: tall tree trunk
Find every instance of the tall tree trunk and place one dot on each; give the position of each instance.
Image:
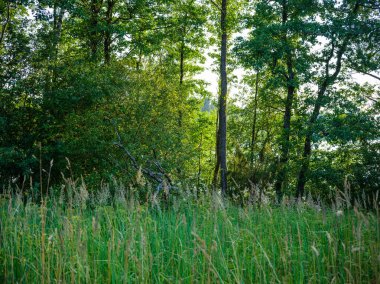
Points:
(182, 64)
(108, 32)
(285, 139)
(58, 20)
(217, 162)
(181, 76)
(253, 135)
(95, 7)
(285, 145)
(328, 81)
(307, 146)
(199, 161)
(262, 151)
(222, 129)
(57, 30)
(53, 45)
(140, 53)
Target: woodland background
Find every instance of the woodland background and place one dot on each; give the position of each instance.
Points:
(114, 90)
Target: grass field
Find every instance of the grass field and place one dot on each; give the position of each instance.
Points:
(205, 242)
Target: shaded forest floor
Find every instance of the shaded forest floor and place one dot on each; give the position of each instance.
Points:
(204, 242)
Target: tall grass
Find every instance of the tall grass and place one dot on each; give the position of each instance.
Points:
(205, 241)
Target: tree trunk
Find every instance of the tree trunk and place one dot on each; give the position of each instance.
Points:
(140, 53)
(181, 76)
(253, 135)
(57, 29)
(285, 144)
(262, 151)
(217, 162)
(108, 32)
(222, 129)
(199, 162)
(328, 80)
(307, 146)
(58, 20)
(95, 7)
(285, 139)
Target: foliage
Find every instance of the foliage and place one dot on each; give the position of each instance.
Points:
(74, 73)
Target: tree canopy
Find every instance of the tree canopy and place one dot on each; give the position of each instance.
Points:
(111, 90)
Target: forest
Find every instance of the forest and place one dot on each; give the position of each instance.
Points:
(160, 141)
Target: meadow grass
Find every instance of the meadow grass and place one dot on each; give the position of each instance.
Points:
(207, 241)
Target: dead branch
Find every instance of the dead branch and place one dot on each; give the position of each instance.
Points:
(162, 178)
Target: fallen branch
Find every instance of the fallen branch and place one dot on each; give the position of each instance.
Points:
(162, 178)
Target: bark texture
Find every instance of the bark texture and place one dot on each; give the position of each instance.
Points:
(222, 129)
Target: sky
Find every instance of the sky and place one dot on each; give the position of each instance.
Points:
(212, 78)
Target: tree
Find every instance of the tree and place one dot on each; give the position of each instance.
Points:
(222, 104)
(277, 28)
(339, 37)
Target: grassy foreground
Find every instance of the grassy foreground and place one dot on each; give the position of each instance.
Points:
(206, 243)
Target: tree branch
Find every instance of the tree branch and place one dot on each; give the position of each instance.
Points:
(365, 73)
(216, 5)
(161, 177)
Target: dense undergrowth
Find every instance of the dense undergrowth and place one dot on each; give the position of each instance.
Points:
(207, 241)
